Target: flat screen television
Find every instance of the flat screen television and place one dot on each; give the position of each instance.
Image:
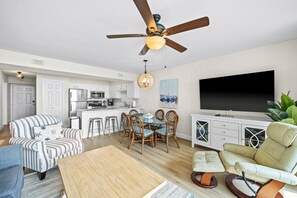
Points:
(244, 92)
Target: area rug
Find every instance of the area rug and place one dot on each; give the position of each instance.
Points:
(52, 187)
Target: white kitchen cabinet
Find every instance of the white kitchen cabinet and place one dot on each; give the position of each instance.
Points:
(214, 131)
(133, 90)
(123, 87)
(114, 90)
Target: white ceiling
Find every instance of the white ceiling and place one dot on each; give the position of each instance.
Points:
(75, 30)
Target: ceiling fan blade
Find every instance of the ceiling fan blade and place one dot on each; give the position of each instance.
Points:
(197, 23)
(125, 35)
(146, 14)
(175, 45)
(144, 50)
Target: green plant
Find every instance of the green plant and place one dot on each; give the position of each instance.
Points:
(283, 111)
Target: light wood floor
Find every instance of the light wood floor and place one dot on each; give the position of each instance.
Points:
(176, 165)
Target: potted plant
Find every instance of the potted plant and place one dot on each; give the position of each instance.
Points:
(283, 111)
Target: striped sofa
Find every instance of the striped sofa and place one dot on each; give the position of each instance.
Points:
(43, 155)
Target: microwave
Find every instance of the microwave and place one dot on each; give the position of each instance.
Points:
(97, 94)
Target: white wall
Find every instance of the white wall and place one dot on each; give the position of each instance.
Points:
(280, 57)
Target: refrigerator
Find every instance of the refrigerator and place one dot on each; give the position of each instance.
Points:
(77, 100)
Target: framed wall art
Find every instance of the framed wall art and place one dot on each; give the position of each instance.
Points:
(169, 93)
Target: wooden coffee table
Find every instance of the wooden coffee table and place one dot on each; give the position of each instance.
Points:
(107, 172)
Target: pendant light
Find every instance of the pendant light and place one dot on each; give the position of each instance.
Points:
(145, 80)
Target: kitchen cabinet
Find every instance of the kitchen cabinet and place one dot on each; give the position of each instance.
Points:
(133, 90)
(114, 90)
(214, 131)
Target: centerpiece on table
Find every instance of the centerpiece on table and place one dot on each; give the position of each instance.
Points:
(283, 111)
(148, 116)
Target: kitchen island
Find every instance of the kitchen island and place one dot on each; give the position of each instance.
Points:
(86, 114)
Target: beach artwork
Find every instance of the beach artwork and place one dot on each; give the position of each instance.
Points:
(169, 93)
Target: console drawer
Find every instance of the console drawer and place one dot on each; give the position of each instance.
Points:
(225, 132)
(219, 140)
(225, 125)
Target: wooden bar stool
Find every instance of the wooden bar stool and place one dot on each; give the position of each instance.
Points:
(111, 120)
(92, 122)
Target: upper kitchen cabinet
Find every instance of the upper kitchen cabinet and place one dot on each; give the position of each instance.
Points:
(115, 90)
(133, 90)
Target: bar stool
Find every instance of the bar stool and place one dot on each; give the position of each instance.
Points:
(92, 121)
(112, 120)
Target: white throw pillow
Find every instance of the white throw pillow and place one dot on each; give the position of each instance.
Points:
(49, 132)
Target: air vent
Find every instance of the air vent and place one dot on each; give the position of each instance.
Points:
(120, 75)
(38, 62)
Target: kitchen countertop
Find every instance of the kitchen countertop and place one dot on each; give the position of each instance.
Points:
(105, 108)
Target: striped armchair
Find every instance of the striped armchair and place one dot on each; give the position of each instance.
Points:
(43, 155)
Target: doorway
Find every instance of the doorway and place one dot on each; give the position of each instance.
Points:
(23, 101)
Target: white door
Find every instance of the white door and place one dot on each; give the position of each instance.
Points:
(52, 97)
(22, 101)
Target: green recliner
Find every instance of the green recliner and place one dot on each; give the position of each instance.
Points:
(271, 166)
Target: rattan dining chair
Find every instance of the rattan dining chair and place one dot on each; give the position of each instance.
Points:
(139, 133)
(126, 127)
(169, 130)
(169, 113)
(159, 114)
(133, 112)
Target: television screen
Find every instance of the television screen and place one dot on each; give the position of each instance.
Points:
(245, 92)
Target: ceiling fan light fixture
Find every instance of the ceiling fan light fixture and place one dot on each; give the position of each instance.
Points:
(145, 80)
(155, 42)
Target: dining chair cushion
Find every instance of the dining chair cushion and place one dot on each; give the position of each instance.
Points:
(161, 131)
(146, 132)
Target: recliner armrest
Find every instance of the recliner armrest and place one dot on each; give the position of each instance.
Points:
(266, 172)
(30, 144)
(245, 151)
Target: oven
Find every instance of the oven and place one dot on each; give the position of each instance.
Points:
(97, 94)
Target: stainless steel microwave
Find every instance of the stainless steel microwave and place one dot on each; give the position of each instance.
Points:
(97, 94)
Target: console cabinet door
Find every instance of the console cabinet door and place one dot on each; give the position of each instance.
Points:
(253, 136)
(201, 132)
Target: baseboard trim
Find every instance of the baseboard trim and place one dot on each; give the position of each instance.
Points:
(183, 136)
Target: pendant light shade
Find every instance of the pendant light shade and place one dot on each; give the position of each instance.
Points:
(155, 42)
(145, 80)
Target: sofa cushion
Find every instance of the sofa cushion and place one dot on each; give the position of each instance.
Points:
(50, 132)
(61, 146)
(8, 179)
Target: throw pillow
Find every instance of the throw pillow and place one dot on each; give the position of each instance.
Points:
(49, 132)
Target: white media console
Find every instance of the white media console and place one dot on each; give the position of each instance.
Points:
(214, 131)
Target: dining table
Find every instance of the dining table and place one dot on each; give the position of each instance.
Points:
(152, 121)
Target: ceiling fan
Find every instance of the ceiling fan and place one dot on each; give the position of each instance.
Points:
(155, 31)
